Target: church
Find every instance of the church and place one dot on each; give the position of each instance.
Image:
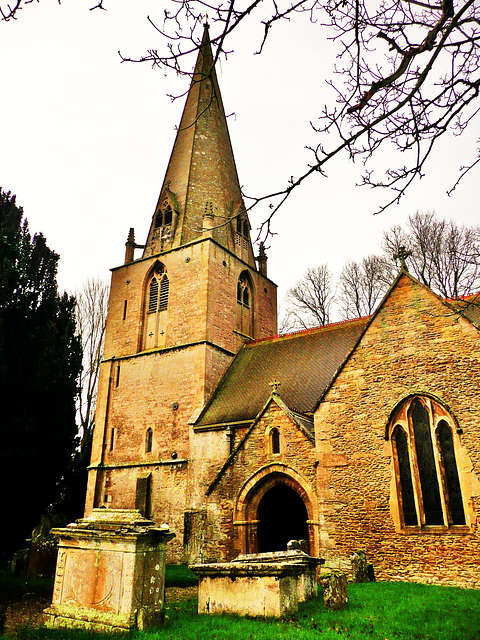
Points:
(359, 435)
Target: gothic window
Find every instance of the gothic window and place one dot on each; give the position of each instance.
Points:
(245, 305)
(159, 284)
(156, 304)
(148, 440)
(243, 290)
(162, 233)
(427, 479)
(243, 230)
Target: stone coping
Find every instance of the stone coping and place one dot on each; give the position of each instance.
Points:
(295, 556)
(115, 524)
(247, 569)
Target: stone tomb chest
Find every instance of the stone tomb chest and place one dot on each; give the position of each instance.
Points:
(110, 572)
(263, 585)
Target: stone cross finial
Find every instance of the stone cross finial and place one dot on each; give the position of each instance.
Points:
(402, 254)
(275, 384)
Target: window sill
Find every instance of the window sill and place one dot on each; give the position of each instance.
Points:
(460, 529)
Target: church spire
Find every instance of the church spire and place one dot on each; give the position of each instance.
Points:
(201, 174)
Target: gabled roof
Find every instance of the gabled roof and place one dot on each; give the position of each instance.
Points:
(469, 308)
(304, 423)
(303, 363)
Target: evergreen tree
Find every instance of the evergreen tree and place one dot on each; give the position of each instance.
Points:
(40, 362)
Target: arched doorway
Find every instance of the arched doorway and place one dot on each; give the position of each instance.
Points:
(282, 516)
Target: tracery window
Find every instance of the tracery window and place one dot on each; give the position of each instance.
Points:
(156, 304)
(427, 479)
(159, 284)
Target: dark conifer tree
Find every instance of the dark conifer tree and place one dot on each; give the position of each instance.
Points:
(40, 362)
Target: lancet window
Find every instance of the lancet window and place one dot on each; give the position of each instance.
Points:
(428, 486)
(148, 440)
(275, 440)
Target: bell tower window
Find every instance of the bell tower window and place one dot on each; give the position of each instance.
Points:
(162, 234)
(156, 306)
(243, 232)
(245, 305)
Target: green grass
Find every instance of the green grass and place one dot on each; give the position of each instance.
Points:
(376, 611)
(179, 575)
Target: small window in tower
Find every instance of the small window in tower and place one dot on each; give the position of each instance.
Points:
(164, 288)
(117, 381)
(153, 296)
(112, 438)
(148, 440)
(245, 228)
(125, 309)
(275, 440)
(239, 224)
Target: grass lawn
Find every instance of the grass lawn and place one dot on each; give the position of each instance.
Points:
(376, 611)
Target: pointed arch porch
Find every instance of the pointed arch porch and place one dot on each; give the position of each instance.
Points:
(257, 489)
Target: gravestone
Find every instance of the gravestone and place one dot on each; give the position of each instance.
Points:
(110, 572)
(362, 571)
(263, 584)
(334, 590)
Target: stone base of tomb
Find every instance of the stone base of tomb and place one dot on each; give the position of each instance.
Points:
(110, 573)
(261, 585)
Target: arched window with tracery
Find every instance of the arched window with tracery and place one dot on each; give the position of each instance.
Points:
(156, 305)
(428, 484)
(245, 305)
(242, 234)
(162, 232)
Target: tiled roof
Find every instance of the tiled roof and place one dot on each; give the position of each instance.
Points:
(303, 363)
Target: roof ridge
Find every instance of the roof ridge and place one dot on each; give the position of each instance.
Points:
(291, 334)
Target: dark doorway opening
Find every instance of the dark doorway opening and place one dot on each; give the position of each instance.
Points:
(282, 517)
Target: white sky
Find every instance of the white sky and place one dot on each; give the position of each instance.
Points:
(85, 140)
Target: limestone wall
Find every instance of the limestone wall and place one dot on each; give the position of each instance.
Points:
(415, 345)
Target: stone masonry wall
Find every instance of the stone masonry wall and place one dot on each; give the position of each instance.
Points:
(414, 345)
(256, 464)
(162, 388)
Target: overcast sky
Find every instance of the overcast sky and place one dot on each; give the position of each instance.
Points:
(85, 140)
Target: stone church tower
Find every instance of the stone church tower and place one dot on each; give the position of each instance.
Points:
(177, 316)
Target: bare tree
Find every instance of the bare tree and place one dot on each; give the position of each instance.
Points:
(407, 73)
(363, 284)
(309, 301)
(444, 255)
(92, 305)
